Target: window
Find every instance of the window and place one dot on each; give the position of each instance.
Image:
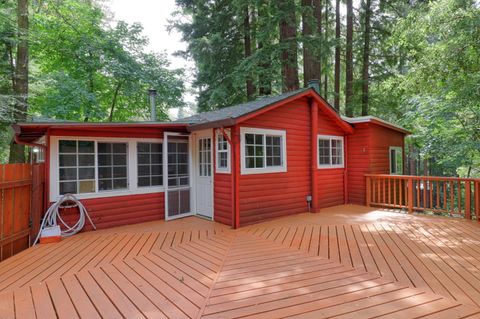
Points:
(263, 151)
(76, 167)
(223, 154)
(178, 175)
(104, 167)
(205, 157)
(149, 164)
(396, 160)
(112, 166)
(330, 151)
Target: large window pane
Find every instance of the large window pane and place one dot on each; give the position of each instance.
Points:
(150, 159)
(76, 169)
(112, 166)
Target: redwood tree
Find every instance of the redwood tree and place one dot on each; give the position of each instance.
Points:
(349, 62)
(247, 39)
(336, 102)
(288, 45)
(311, 50)
(20, 88)
(366, 58)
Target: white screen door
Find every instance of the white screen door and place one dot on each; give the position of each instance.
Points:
(176, 175)
(203, 176)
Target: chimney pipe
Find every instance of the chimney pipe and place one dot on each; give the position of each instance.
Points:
(314, 84)
(153, 109)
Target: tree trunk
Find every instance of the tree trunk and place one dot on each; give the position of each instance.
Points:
(248, 51)
(326, 33)
(288, 44)
(366, 59)
(349, 62)
(114, 101)
(336, 102)
(311, 54)
(264, 66)
(17, 152)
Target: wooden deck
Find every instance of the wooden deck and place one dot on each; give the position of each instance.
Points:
(346, 262)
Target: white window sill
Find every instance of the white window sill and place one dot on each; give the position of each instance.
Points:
(222, 171)
(123, 192)
(270, 170)
(330, 166)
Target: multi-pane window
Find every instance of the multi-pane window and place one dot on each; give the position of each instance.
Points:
(330, 151)
(254, 150)
(149, 164)
(222, 153)
(76, 167)
(112, 166)
(205, 157)
(178, 175)
(396, 160)
(263, 151)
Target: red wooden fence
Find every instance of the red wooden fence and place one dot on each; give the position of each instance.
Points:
(21, 206)
(448, 195)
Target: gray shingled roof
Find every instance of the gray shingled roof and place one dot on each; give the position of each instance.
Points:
(236, 111)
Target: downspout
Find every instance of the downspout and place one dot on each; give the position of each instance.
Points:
(314, 153)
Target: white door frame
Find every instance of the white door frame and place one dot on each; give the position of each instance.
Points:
(194, 172)
(166, 136)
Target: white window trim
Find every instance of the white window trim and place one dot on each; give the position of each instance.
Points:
(264, 170)
(132, 168)
(222, 170)
(330, 138)
(396, 149)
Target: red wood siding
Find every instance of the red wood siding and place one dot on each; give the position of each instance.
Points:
(223, 198)
(381, 139)
(368, 153)
(358, 163)
(121, 210)
(264, 196)
(330, 180)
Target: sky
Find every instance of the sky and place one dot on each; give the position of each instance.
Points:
(154, 16)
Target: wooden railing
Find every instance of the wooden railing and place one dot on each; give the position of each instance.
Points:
(447, 195)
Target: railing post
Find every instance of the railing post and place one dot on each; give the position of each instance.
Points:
(410, 195)
(368, 193)
(468, 208)
(477, 200)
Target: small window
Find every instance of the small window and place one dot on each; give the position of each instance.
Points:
(112, 166)
(223, 154)
(149, 163)
(76, 167)
(263, 151)
(330, 151)
(396, 160)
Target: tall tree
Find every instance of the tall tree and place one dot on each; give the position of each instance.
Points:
(264, 57)
(366, 57)
(326, 38)
(311, 30)
(288, 44)
(247, 39)
(20, 88)
(336, 102)
(349, 61)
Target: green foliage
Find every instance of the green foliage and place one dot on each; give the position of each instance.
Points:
(90, 71)
(439, 92)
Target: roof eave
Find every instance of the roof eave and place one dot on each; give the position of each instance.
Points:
(213, 124)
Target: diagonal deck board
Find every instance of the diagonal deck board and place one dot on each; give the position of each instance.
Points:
(346, 262)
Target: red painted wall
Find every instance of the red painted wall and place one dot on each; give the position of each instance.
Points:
(222, 202)
(264, 196)
(330, 180)
(368, 153)
(121, 210)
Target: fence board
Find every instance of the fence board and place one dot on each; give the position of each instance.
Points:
(20, 185)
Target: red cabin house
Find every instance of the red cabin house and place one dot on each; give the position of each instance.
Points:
(277, 156)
